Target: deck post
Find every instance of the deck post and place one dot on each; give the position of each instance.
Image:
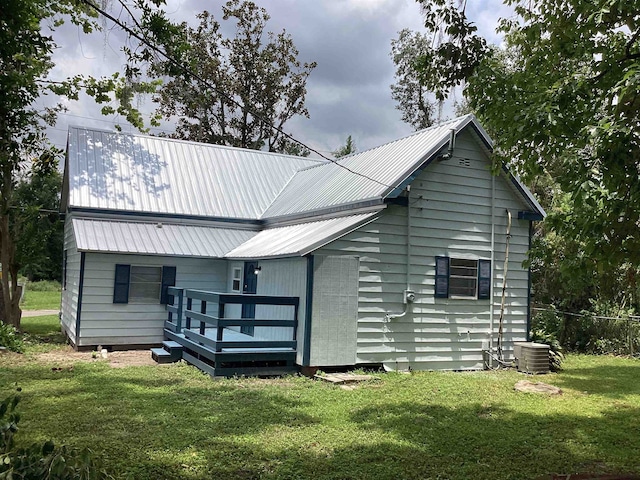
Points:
(220, 331)
(203, 309)
(189, 305)
(180, 313)
(295, 319)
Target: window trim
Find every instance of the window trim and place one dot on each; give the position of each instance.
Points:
(145, 300)
(237, 278)
(483, 278)
(473, 277)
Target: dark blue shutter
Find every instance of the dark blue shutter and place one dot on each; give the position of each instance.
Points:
(484, 279)
(442, 277)
(168, 280)
(121, 284)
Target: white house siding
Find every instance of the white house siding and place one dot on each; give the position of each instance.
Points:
(70, 294)
(451, 215)
(285, 277)
(105, 323)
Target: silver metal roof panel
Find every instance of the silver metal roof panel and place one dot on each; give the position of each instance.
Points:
(156, 238)
(327, 185)
(138, 173)
(298, 240)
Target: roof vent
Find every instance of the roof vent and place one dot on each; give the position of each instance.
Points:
(531, 357)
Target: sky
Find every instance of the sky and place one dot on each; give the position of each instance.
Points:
(348, 93)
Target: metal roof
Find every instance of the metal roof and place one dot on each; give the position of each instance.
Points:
(156, 238)
(327, 185)
(158, 175)
(298, 239)
(379, 172)
(138, 173)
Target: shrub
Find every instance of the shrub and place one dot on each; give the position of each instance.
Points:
(46, 461)
(44, 286)
(10, 338)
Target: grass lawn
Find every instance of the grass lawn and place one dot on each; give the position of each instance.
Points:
(171, 422)
(41, 296)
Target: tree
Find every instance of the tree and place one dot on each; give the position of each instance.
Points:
(410, 91)
(255, 81)
(347, 149)
(562, 97)
(37, 226)
(25, 60)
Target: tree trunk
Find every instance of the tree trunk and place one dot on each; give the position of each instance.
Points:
(11, 313)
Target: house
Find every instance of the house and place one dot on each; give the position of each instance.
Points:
(395, 255)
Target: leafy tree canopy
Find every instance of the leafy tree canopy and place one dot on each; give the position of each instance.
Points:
(26, 46)
(348, 148)
(243, 87)
(410, 91)
(562, 97)
(36, 225)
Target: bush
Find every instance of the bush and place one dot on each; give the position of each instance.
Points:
(606, 329)
(44, 286)
(46, 461)
(10, 338)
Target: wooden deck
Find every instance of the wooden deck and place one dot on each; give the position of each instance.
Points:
(214, 343)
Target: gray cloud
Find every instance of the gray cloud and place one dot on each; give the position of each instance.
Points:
(348, 93)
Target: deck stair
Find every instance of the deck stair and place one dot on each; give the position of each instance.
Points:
(214, 343)
(169, 353)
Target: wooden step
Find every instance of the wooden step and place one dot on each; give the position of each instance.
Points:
(174, 348)
(160, 355)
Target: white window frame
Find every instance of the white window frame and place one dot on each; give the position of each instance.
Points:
(132, 283)
(462, 264)
(236, 277)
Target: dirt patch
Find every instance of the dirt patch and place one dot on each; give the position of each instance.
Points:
(537, 387)
(65, 357)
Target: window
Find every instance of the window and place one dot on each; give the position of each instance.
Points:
(143, 284)
(237, 280)
(462, 278)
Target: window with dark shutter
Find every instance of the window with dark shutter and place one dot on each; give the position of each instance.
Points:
(121, 284)
(442, 277)
(168, 280)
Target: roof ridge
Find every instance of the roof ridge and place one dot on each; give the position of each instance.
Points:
(202, 144)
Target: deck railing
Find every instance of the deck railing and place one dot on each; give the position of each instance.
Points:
(211, 314)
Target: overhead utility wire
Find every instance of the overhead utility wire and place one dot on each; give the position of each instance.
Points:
(219, 92)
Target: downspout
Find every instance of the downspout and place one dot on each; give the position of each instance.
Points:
(504, 286)
(406, 299)
(493, 244)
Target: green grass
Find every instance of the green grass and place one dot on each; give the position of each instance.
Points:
(41, 296)
(174, 422)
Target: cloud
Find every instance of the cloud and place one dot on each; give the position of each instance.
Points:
(348, 92)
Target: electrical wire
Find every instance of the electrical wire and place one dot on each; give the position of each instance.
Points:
(208, 84)
(635, 318)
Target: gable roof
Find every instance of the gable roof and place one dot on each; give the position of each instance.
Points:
(376, 174)
(318, 201)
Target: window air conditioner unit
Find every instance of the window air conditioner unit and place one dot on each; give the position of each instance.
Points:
(531, 357)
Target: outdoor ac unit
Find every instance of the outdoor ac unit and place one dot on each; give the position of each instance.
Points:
(531, 357)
